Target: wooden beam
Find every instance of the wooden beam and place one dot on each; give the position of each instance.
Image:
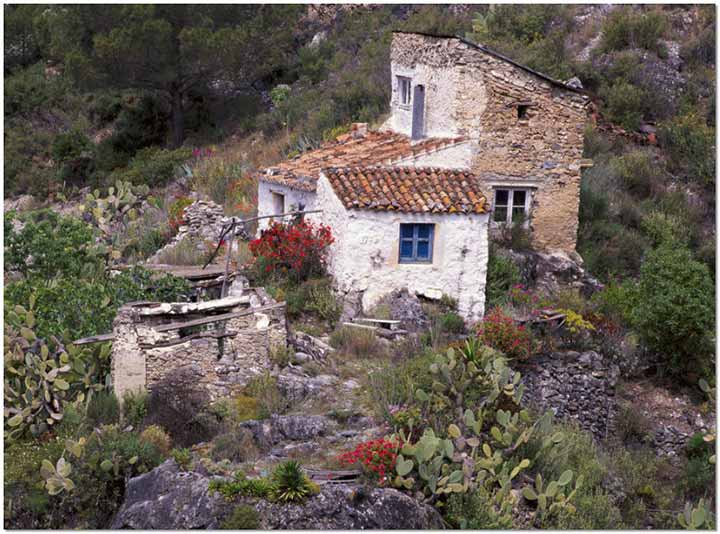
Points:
(215, 318)
(94, 339)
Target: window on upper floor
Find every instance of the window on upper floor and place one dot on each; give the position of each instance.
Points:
(404, 89)
(522, 112)
(511, 205)
(416, 243)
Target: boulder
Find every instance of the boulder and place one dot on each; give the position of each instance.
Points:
(553, 271)
(284, 428)
(407, 309)
(167, 498)
(350, 507)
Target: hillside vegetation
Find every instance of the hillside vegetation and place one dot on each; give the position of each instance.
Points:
(118, 116)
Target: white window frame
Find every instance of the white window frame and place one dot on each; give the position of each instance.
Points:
(404, 90)
(510, 205)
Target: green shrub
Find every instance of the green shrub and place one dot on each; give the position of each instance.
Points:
(243, 517)
(502, 275)
(70, 145)
(699, 476)
(152, 166)
(58, 245)
(662, 228)
(637, 173)
(479, 511)
(103, 409)
(315, 297)
(631, 424)
(452, 323)
(158, 438)
(142, 123)
(135, 407)
(675, 312)
(182, 457)
(616, 301)
(594, 510)
(629, 28)
(624, 103)
(690, 145)
(105, 108)
(269, 397)
(237, 445)
(357, 342)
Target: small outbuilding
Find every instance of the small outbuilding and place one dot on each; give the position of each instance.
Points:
(424, 229)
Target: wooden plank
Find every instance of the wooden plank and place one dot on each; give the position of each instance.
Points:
(365, 326)
(393, 324)
(94, 339)
(215, 318)
(197, 335)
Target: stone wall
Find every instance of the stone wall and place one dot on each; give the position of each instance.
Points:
(145, 358)
(480, 100)
(575, 386)
(204, 221)
(364, 256)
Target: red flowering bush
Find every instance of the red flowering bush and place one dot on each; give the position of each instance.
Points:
(377, 458)
(297, 250)
(176, 213)
(500, 332)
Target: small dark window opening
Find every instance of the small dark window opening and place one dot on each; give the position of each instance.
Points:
(522, 111)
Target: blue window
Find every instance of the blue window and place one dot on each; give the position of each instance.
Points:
(416, 243)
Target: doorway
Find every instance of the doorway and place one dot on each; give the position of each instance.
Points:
(418, 112)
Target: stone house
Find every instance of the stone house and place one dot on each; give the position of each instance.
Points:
(425, 229)
(498, 126)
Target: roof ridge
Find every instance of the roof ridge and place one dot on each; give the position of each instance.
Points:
(498, 55)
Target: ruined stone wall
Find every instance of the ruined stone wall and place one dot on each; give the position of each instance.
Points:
(145, 359)
(543, 151)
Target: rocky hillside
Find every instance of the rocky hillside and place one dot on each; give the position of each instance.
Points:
(585, 399)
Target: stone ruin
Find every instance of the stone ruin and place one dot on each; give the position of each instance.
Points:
(214, 346)
(204, 222)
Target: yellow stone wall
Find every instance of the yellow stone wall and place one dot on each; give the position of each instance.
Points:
(543, 151)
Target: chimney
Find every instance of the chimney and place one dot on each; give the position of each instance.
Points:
(359, 129)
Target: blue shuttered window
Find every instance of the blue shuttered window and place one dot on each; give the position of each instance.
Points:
(416, 243)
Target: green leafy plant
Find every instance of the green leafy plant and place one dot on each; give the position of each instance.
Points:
(554, 496)
(695, 517)
(182, 457)
(157, 437)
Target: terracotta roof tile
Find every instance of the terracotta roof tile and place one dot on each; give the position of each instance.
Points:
(407, 189)
(365, 150)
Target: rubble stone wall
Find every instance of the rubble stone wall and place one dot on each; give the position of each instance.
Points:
(575, 386)
(141, 359)
(543, 150)
(204, 221)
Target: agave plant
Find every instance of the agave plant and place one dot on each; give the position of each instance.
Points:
(291, 483)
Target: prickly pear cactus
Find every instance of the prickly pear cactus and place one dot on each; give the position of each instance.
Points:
(42, 377)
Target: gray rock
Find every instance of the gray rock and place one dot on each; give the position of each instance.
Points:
(351, 508)
(284, 428)
(169, 499)
(300, 358)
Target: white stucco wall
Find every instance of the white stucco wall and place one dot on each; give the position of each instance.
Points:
(457, 156)
(440, 84)
(293, 199)
(364, 256)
